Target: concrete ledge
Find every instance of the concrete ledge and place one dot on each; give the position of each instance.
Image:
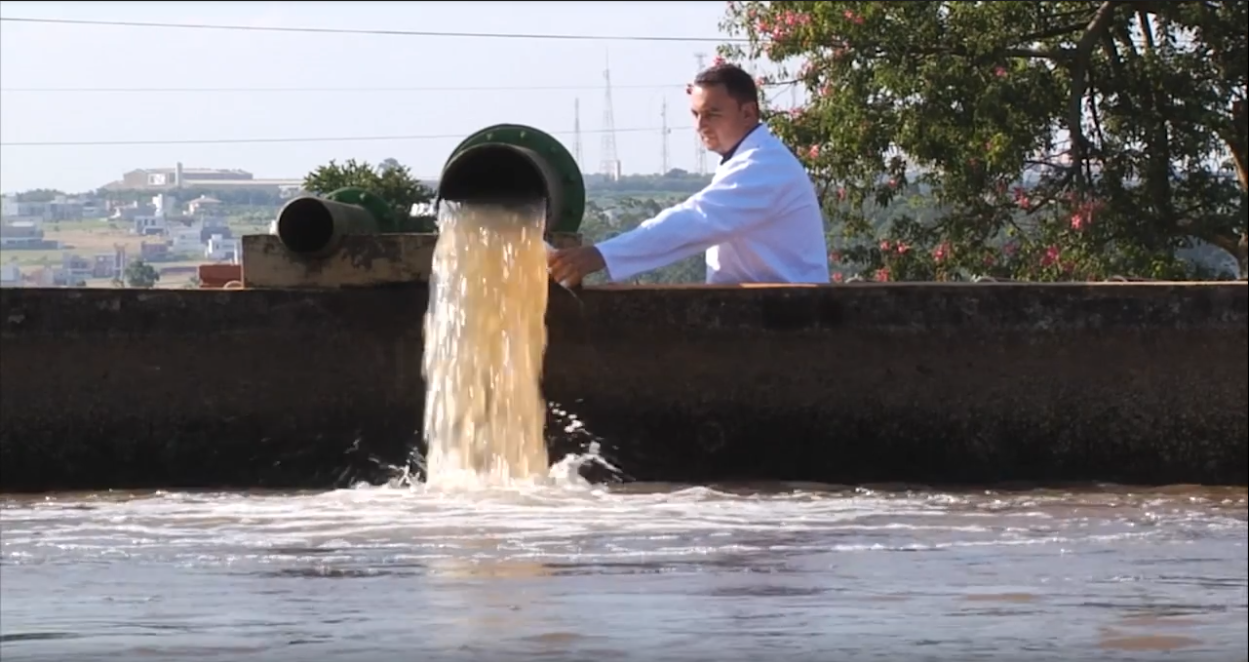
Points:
(358, 261)
(929, 383)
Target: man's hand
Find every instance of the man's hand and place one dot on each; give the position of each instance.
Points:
(569, 265)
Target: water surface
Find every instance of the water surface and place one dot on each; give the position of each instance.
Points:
(631, 573)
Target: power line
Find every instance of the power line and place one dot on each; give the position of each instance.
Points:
(363, 31)
(239, 141)
(341, 90)
(269, 90)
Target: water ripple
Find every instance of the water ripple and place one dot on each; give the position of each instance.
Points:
(573, 572)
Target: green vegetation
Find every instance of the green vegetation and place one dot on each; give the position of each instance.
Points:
(613, 206)
(1037, 140)
(85, 225)
(39, 195)
(25, 258)
(238, 199)
(950, 140)
(608, 216)
(390, 180)
(673, 182)
(141, 274)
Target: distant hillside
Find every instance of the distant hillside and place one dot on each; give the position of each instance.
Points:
(675, 181)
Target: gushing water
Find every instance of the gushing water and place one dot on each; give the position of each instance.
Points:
(485, 336)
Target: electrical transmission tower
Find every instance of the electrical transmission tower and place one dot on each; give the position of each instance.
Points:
(700, 154)
(611, 164)
(576, 132)
(663, 114)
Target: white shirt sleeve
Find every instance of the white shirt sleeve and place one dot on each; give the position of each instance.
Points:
(738, 199)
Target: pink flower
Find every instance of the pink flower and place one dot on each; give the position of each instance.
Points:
(1000, 72)
(882, 275)
(940, 253)
(886, 246)
(1051, 255)
(813, 152)
(838, 277)
(901, 248)
(1083, 215)
(853, 17)
(795, 19)
(1021, 198)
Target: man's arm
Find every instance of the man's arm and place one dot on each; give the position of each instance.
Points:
(739, 200)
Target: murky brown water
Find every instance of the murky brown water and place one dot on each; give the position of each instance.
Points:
(485, 334)
(638, 573)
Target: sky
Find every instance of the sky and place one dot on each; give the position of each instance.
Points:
(44, 69)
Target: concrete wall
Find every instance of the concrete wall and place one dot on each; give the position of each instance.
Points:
(930, 383)
(380, 260)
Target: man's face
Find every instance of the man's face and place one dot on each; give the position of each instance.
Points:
(721, 121)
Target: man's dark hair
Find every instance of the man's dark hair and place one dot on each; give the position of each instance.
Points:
(739, 84)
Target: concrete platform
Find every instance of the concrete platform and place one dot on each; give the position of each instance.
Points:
(361, 261)
(926, 383)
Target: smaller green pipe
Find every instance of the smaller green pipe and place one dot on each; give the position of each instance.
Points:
(312, 226)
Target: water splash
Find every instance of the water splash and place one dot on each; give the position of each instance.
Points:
(485, 337)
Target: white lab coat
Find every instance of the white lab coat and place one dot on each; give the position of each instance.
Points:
(758, 220)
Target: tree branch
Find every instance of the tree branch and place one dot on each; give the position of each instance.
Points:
(1158, 141)
(1079, 80)
(1238, 142)
(1051, 33)
(1235, 137)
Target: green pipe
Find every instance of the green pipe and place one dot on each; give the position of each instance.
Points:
(511, 163)
(312, 226)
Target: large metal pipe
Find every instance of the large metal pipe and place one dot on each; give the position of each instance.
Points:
(511, 163)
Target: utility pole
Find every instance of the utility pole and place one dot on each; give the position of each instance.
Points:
(576, 130)
(663, 114)
(700, 153)
(611, 164)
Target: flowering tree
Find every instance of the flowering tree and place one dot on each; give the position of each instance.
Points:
(1048, 140)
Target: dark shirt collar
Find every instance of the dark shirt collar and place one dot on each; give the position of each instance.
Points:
(729, 154)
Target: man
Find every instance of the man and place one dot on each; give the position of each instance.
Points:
(759, 220)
